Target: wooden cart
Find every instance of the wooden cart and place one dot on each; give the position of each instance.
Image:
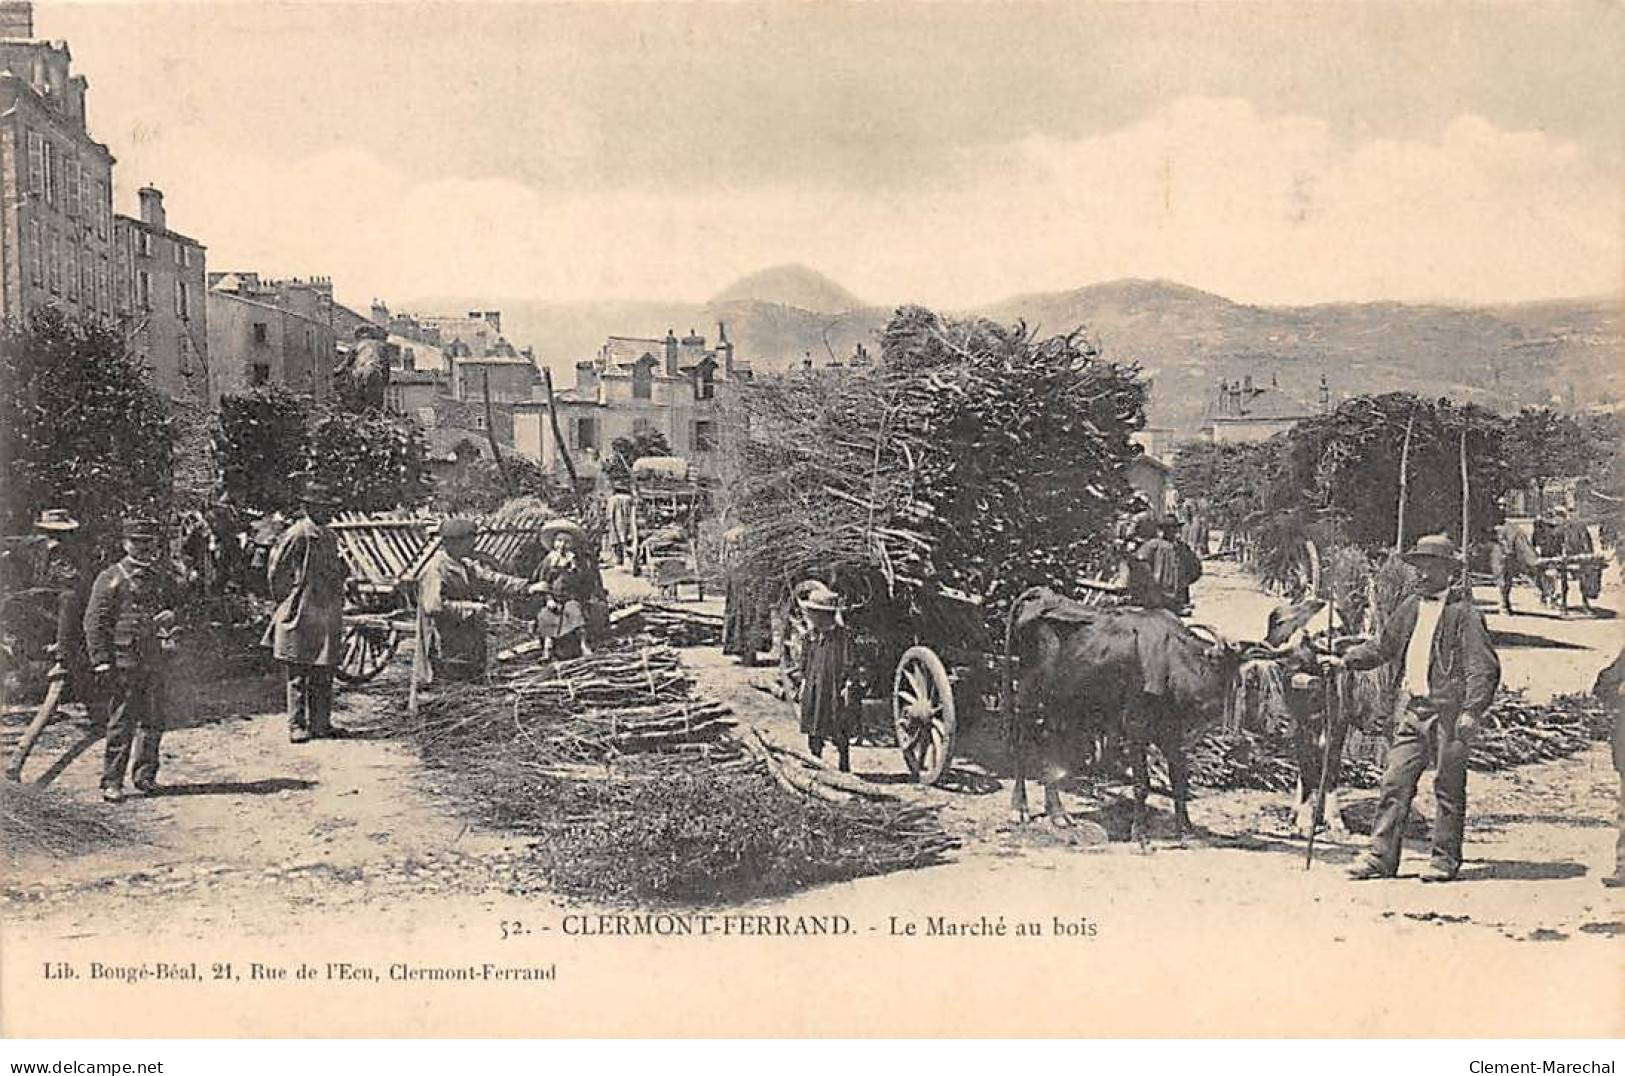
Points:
(386, 553)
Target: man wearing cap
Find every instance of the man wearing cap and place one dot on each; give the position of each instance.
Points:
(451, 598)
(306, 578)
(129, 624)
(59, 573)
(1449, 674)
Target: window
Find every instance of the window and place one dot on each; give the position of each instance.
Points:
(70, 194)
(143, 290)
(259, 374)
(186, 255)
(70, 266)
(146, 244)
(586, 433)
(102, 209)
(54, 260)
(104, 292)
(183, 300)
(642, 379)
(705, 386)
(36, 253)
(180, 253)
(36, 164)
(480, 423)
(259, 332)
(52, 164)
(705, 436)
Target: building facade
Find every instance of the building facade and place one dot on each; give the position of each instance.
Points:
(56, 181)
(1243, 411)
(679, 388)
(159, 294)
(255, 340)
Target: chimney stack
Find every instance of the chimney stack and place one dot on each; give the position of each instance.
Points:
(152, 208)
(17, 19)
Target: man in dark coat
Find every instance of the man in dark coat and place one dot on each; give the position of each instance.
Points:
(1158, 576)
(64, 584)
(1608, 687)
(827, 707)
(1449, 674)
(129, 624)
(452, 595)
(306, 578)
(1513, 555)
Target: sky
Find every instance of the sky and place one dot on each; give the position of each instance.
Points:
(940, 153)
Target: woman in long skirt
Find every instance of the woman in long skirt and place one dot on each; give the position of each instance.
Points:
(826, 696)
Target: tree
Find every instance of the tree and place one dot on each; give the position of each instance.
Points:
(477, 487)
(81, 425)
(1542, 445)
(261, 443)
(370, 461)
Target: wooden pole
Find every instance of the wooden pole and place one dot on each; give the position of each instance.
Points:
(1404, 482)
(558, 435)
(491, 435)
(1465, 578)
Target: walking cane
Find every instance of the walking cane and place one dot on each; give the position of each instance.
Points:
(1329, 695)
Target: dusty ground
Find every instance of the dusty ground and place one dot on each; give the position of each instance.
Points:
(347, 846)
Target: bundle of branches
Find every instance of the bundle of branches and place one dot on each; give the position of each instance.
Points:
(681, 627)
(1516, 732)
(43, 820)
(973, 458)
(664, 829)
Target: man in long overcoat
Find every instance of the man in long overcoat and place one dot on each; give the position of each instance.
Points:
(1449, 674)
(128, 626)
(306, 577)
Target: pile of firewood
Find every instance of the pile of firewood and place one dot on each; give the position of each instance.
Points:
(677, 626)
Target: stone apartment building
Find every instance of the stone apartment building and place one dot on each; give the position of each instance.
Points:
(1243, 411)
(264, 331)
(161, 281)
(679, 387)
(56, 181)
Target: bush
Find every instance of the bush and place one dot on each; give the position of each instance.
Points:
(81, 425)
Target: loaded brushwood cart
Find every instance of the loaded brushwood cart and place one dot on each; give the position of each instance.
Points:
(930, 491)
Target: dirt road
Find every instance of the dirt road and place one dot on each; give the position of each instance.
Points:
(347, 847)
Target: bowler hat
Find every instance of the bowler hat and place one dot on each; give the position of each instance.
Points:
(141, 527)
(1432, 547)
(56, 519)
(453, 529)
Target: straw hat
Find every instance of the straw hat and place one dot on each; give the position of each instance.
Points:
(554, 527)
(1432, 547)
(56, 519)
(820, 597)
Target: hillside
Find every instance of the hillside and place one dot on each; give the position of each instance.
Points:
(794, 286)
(1564, 351)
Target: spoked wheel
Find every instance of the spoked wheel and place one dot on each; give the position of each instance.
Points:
(367, 650)
(923, 711)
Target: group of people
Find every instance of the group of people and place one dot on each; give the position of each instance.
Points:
(1561, 537)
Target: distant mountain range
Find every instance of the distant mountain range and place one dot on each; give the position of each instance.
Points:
(1566, 352)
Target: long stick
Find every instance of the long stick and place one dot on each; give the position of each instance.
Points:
(1465, 578)
(558, 435)
(1318, 812)
(42, 717)
(491, 436)
(1404, 482)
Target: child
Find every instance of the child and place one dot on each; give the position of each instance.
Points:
(826, 710)
(562, 623)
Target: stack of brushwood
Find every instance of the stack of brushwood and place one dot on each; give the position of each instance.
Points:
(676, 626)
(972, 459)
(635, 788)
(1514, 732)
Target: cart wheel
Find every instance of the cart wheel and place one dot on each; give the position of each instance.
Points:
(923, 711)
(367, 650)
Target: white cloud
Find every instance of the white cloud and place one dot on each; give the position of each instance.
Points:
(1205, 191)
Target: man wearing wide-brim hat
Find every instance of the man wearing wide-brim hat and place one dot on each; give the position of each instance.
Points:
(59, 572)
(305, 576)
(128, 624)
(1449, 673)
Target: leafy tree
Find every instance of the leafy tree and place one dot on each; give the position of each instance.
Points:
(261, 443)
(478, 486)
(1543, 444)
(81, 425)
(370, 461)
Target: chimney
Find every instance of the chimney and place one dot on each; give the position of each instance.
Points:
(671, 353)
(17, 19)
(152, 208)
(726, 347)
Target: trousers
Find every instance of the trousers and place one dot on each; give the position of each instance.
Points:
(310, 698)
(128, 701)
(1422, 737)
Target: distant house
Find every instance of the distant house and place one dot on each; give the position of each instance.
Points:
(1242, 411)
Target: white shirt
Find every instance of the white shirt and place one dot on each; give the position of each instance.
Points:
(1420, 648)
